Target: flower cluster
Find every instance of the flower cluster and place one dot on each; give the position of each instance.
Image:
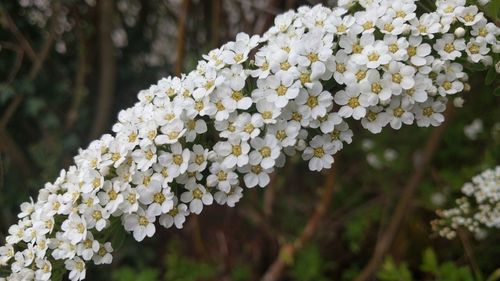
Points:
(477, 210)
(199, 138)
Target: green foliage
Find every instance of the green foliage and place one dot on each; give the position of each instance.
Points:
(130, 274)
(309, 265)
(447, 271)
(182, 268)
(392, 272)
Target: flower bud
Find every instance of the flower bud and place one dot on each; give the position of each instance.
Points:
(466, 87)
(459, 32)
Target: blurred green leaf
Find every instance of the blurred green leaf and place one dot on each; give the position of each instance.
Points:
(429, 261)
(392, 272)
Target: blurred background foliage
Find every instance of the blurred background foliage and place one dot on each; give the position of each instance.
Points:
(67, 67)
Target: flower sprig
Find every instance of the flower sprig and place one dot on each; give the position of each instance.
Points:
(198, 138)
(477, 210)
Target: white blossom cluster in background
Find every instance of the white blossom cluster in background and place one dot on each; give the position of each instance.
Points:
(477, 210)
(199, 138)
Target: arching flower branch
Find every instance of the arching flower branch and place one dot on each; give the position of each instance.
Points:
(196, 139)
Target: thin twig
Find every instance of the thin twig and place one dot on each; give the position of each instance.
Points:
(384, 243)
(469, 252)
(288, 250)
(269, 195)
(9, 23)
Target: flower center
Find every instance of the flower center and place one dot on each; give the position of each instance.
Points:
(221, 176)
(398, 112)
(396, 78)
(236, 150)
(281, 90)
(353, 102)
(265, 151)
(449, 47)
(319, 152)
(428, 111)
(412, 51)
(197, 193)
(237, 95)
(143, 221)
(159, 198)
(376, 88)
(312, 101)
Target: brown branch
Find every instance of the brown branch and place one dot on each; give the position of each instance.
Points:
(9, 23)
(469, 252)
(267, 19)
(288, 250)
(181, 38)
(216, 12)
(79, 91)
(403, 206)
(269, 195)
(7, 143)
(107, 69)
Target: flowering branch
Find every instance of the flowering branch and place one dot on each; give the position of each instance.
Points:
(195, 139)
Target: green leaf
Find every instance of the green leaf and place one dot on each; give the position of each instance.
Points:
(6, 92)
(429, 261)
(392, 272)
(496, 92)
(490, 76)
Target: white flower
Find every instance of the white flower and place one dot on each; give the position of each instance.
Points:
(401, 76)
(229, 198)
(266, 150)
(221, 178)
(375, 119)
(375, 88)
(399, 114)
(159, 200)
(88, 247)
(104, 254)
(76, 267)
(198, 159)
(282, 88)
(351, 102)
(177, 161)
(448, 47)
(145, 157)
(96, 217)
(254, 173)
(397, 46)
(475, 128)
(417, 52)
(373, 55)
(140, 223)
(176, 216)
(319, 153)
(75, 228)
(469, 16)
(195, 127)
(207, 83)
(197, 196)
(427, 25)
(248, 126)
(233, 151)
(477, 49)
(171, 132)
(44, 269)
(429, 113)
(315, 101)
(285, 132)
